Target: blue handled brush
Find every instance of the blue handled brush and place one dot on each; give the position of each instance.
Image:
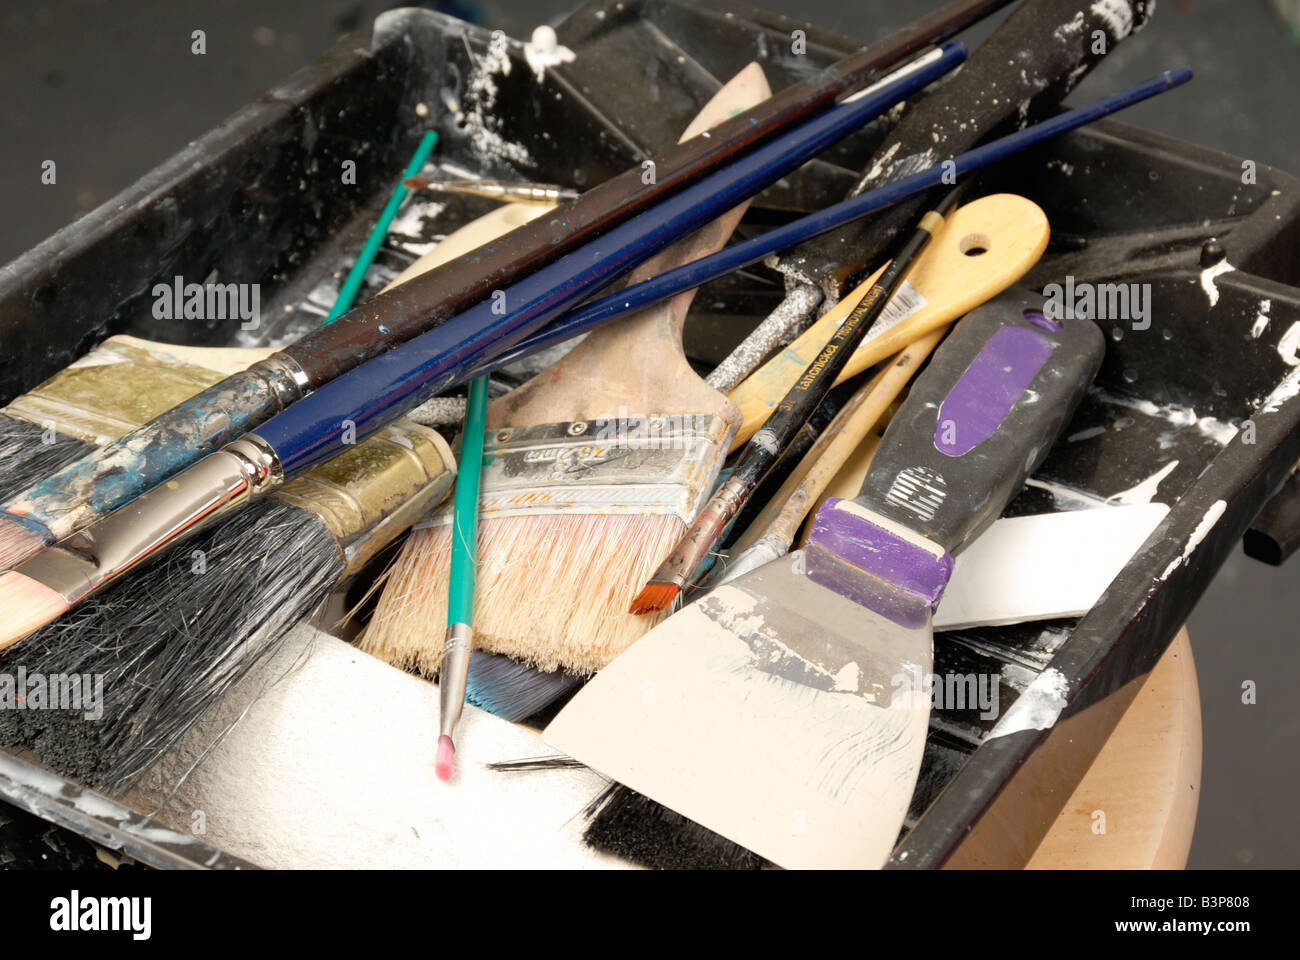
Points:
(460, 586)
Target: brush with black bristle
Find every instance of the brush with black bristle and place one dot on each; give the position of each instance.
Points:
(627, 824)
(121, 383)
(169, 641)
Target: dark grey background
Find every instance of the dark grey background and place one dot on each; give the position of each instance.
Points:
(109, 90)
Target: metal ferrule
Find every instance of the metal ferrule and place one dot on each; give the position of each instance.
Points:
(453, 675)
(642, 466)
(372, 492)
(702, 535)
(506, 191)
(86, 561)
(283, 375)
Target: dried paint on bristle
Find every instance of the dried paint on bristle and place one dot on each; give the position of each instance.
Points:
(510, 690)
(655, 597)
(636, 828)
(29, 453)
(26, 605)
(445, 764)
(552, 591)
(170, 641)
(19, 541)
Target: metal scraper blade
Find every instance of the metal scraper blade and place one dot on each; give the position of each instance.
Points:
(774, 711)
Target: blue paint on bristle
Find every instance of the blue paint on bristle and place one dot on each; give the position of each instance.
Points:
(512, 691)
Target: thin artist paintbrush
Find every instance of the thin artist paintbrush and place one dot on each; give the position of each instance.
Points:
(361, 401)
(460, 583)
(786, 420)
(505, 191)
(110, 477)
(379, 233)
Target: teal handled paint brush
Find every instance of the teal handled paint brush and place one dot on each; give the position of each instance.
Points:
(357, 275)
(84, 491)
(460, 584)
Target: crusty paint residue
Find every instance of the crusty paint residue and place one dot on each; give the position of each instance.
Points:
(1037, 708)
(1288, 347)
(1208, 277)
(1203, 528)
(1261, 319)
(1145, 491)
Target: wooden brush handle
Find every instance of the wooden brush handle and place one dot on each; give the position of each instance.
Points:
(832, 449)
(1010, 231)
(636, 365)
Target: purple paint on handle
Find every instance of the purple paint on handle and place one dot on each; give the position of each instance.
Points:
(978, 403)
(856, 558)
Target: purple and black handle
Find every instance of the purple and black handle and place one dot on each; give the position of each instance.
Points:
(977, 422)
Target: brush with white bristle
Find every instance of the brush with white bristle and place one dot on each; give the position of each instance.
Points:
(592, 469)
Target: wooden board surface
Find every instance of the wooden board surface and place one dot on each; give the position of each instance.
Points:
(1145, 782)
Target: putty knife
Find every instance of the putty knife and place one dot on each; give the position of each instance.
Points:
(775, 711)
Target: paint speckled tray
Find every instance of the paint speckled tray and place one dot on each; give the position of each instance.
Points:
(256, 200)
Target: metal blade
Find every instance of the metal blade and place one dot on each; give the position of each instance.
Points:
(774, 711)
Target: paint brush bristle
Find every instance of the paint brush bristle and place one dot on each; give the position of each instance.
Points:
(19, 541)
(506, 689)
(655, 597)
(26, 605)
(636, 828)
(171, 640)
(557, 586)
(29, 453)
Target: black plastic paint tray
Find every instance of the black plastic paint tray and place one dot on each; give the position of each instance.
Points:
(259, 199)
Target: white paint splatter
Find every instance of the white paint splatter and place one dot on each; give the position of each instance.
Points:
(1067, 30)
(1284, 391)
(1212, 428)
(1037, 708)
(849, 678)
(545, 50)
(1145, 491)
(1289, 345)
(1202, 530)
(1261, 319)
(1118, 15)
(1209, 275)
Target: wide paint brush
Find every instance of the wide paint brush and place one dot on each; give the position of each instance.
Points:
(356, 404)
(172, 640)
(594, 467)
(107, 478)
(122, 383)
(776, 717)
